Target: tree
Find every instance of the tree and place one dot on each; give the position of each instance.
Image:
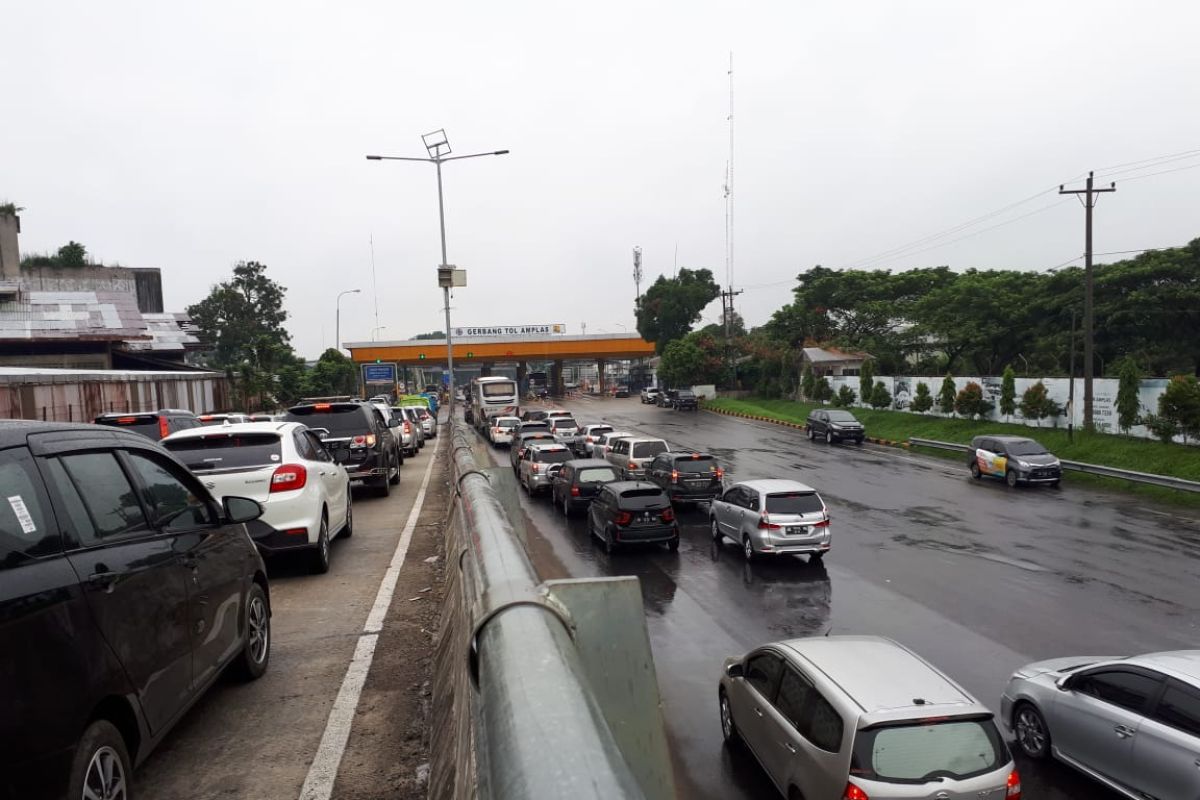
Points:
(1033, 403)
(823, 390)
(969, 401)
(845, 397)
(1180, 403)
(880, 397)
(1128, 385)
(946, 395)
(866, 382)
(922, 401)
(334, 374)
(72, 254)
(671, 306)
(808, 382)
(431, 335)
(681, 363)
(1008, 392)
(1163, 429)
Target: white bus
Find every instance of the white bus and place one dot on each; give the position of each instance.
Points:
(493, 397)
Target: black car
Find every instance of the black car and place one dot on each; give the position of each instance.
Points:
(358, 438)
(534, 415)
(685, 400)
(126, 590)
(632, 512)
(153, 424)
(834, 425)
(687, 477)
(517, 448)
(576, 482)
(666, 398)
(1016, 459)
(621, 391)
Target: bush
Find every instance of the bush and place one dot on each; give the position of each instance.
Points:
(845, 397)
(946, 395)
(922, 400)
(1180, 403)
(1034, 403)
(824, 392)
(880, 397)
(808, 382)
(1128, 404)
(970, 403)
(1163, 429)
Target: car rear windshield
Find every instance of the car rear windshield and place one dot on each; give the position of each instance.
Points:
(507, 423)
(339, 420)
(600, 430)
(564, 422)
(841, 416)
(535, 426)
(648, 449)
(223, 451)
(643, 498)
(499, 389)
(145, 425)
(703, 464)
(793, 503)
(921, 752)
(552, 456)
(597, 475)
(1024, 448)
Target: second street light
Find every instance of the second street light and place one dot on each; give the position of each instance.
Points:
(338, 324)
(438, 147)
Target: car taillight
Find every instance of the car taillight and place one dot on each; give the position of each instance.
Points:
(288, 478)
(368, 440)
(765, 524)
(674, 476)
(164, 430)
(668, 515)
(633, 465)
(322, 407)
(720, 472)
(822, 524)
(854, 793)
(536, 468)
(623, 518)
(1013, 786)
(574, 491)
(408, 427)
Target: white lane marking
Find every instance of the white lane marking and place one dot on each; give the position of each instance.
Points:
(322, 773)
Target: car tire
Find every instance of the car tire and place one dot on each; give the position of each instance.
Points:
(1032, 735)
(101, 751)
(383, 487)
(348, 528)
(673, 545)
(747, 548)
(394, 480)
(1054, 484)
(975, 473)
(729, 729)
(828, 437)
(816, 558)
(715, 529)
(1010, 478)
(809, 432)
(320, 555)
(610, 546)
(252, 662)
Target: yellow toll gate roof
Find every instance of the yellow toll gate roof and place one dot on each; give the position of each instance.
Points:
(490, 349)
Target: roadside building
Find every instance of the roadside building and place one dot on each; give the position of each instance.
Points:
(832, 361)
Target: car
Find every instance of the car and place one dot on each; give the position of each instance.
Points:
(285, 467)
(425, 419)
(209, 418)
(605, 441)
(575, 484)
(558, 412)
(649, 395)
(534, 415)
(587, 437)
(772, 517)
(127, 592)
(534, 425)
(267, 417)
(534, 461)
(687, 477)
(632, 512)
(1133, 724)
(621, 391)
(413, 415)
(834, 425)
(357, 437)
(666, 398)
(686, 400)
(152, 424)
(501, 430)
(1016, 459)
(565, 429)
(632, 454)
(523, 438)
(381, 398)
(411, 437)
(861, 718)
(395, 425)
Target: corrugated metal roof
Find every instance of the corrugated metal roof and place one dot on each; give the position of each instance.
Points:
(169, 332)
(818, 355)
(57, 316)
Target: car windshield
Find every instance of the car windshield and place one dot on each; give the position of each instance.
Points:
(793, 503)
(339, 420)
(552, 456)
(597, 475)
(143, 424)
(601, 430)
(1025, 447)
(648, 449)
(499, 389)
(637, 499)
(224, 451)
(507, 423)
(921, 752)
(841, 416)
(565, 422)
(703, 464)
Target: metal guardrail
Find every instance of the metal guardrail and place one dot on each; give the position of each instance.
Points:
(1166, 481)
(566, 700)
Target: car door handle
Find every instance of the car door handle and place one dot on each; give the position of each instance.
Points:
(791, 747)
(758, 711)
(102, 580)
(1124, 731)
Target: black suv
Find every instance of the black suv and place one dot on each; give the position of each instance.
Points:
(685, 400)
(153, 424)
(125, 592)
(577, 482)
(834, 425)
(666, 398)
(632, 512)
(687, 477)
(358, 438)
(1016, 459)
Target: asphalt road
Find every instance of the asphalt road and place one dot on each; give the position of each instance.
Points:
(976, 577)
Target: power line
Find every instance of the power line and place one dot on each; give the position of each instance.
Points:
(1163, 172)
(1146, 160)
(1143, 167)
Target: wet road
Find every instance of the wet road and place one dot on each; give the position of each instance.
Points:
(976, 577)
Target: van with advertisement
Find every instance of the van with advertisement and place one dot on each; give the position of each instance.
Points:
(493, 396)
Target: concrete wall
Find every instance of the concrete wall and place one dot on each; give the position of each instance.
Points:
(97, 279)
(10, 250)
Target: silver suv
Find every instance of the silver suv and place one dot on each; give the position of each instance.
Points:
(772, 517)
(1131, 723)
(533, 469)
(633, 454)
(862, 717)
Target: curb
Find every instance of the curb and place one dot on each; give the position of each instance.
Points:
(800, 426)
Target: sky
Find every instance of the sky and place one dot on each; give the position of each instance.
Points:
(192, 136)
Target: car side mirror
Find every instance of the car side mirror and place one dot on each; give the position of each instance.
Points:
(241, 509)
(735, 670)
(393, 423)
(1064, 683)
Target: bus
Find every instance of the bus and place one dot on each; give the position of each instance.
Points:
(493, 397)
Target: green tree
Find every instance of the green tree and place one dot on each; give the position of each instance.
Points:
(1128, 385)
(1008, 392)
(431, 335)
(1033, 403)
(1163, 429)
(671, 306)
(292, 381)
(808, 382)
(969, 400)
(681, 362)
(922, 401)
(880, 397)
(72, 254)
(845, 397)
(823, 390)
(866, 381)
(946, 395)
(1180, 403)
(333, 374)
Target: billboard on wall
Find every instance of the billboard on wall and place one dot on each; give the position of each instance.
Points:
(552, 329)
(379, 373)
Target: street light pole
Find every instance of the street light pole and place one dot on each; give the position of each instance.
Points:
(338, 328)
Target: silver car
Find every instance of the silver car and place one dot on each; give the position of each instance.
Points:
(587, 437)
(565, 429)
(772, 517)
(604, 443)
(858, 717)
(533, 469)
(632, 454)
(1131, 723)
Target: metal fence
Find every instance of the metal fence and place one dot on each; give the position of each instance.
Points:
(1167, 481)
(563, 697)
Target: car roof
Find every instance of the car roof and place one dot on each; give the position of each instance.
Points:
(239, 427)
(157, 412)
(999, 437)
(1184, 664)
(687, 455)
(591, 425)
(624, 486)
(16, 431)
(879, 674)
(514, 419)
(772, 485)
(583, 463)
(639, 439)
(548, 446)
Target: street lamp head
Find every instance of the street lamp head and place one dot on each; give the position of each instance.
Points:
(500, 153)
(374, 158)
(436, 143)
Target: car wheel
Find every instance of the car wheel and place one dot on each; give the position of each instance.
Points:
(101, 767)
(1010, 477)
(320, 556)
(395, 479)
(828, 437)
(1033, 736)
(610, 546)
(975, 473)
(383, 487)
(816, 558)
(673, 545)
(809, 432)
(256, 652)
(728, 729)
(1054, 484)
(716, 530)
(348, 528)
(747, 548)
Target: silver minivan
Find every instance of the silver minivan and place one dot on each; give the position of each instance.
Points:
(632, 455)
(862, 718)
(772, 517)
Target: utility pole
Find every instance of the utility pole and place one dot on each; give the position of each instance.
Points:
(727, 312)
(1090, 197)
(1071, 386)
(637, 273)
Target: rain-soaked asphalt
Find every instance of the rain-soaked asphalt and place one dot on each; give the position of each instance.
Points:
(976, 577)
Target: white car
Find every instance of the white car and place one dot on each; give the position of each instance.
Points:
(397, 430)
(501, 429)
(603, 445)
(305, 494)
(587, 437)
(428, 422)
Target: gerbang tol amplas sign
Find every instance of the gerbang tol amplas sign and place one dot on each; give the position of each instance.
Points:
(553, 329)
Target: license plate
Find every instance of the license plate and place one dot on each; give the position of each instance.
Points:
(798, 530)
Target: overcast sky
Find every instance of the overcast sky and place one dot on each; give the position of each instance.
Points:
(192, 136)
